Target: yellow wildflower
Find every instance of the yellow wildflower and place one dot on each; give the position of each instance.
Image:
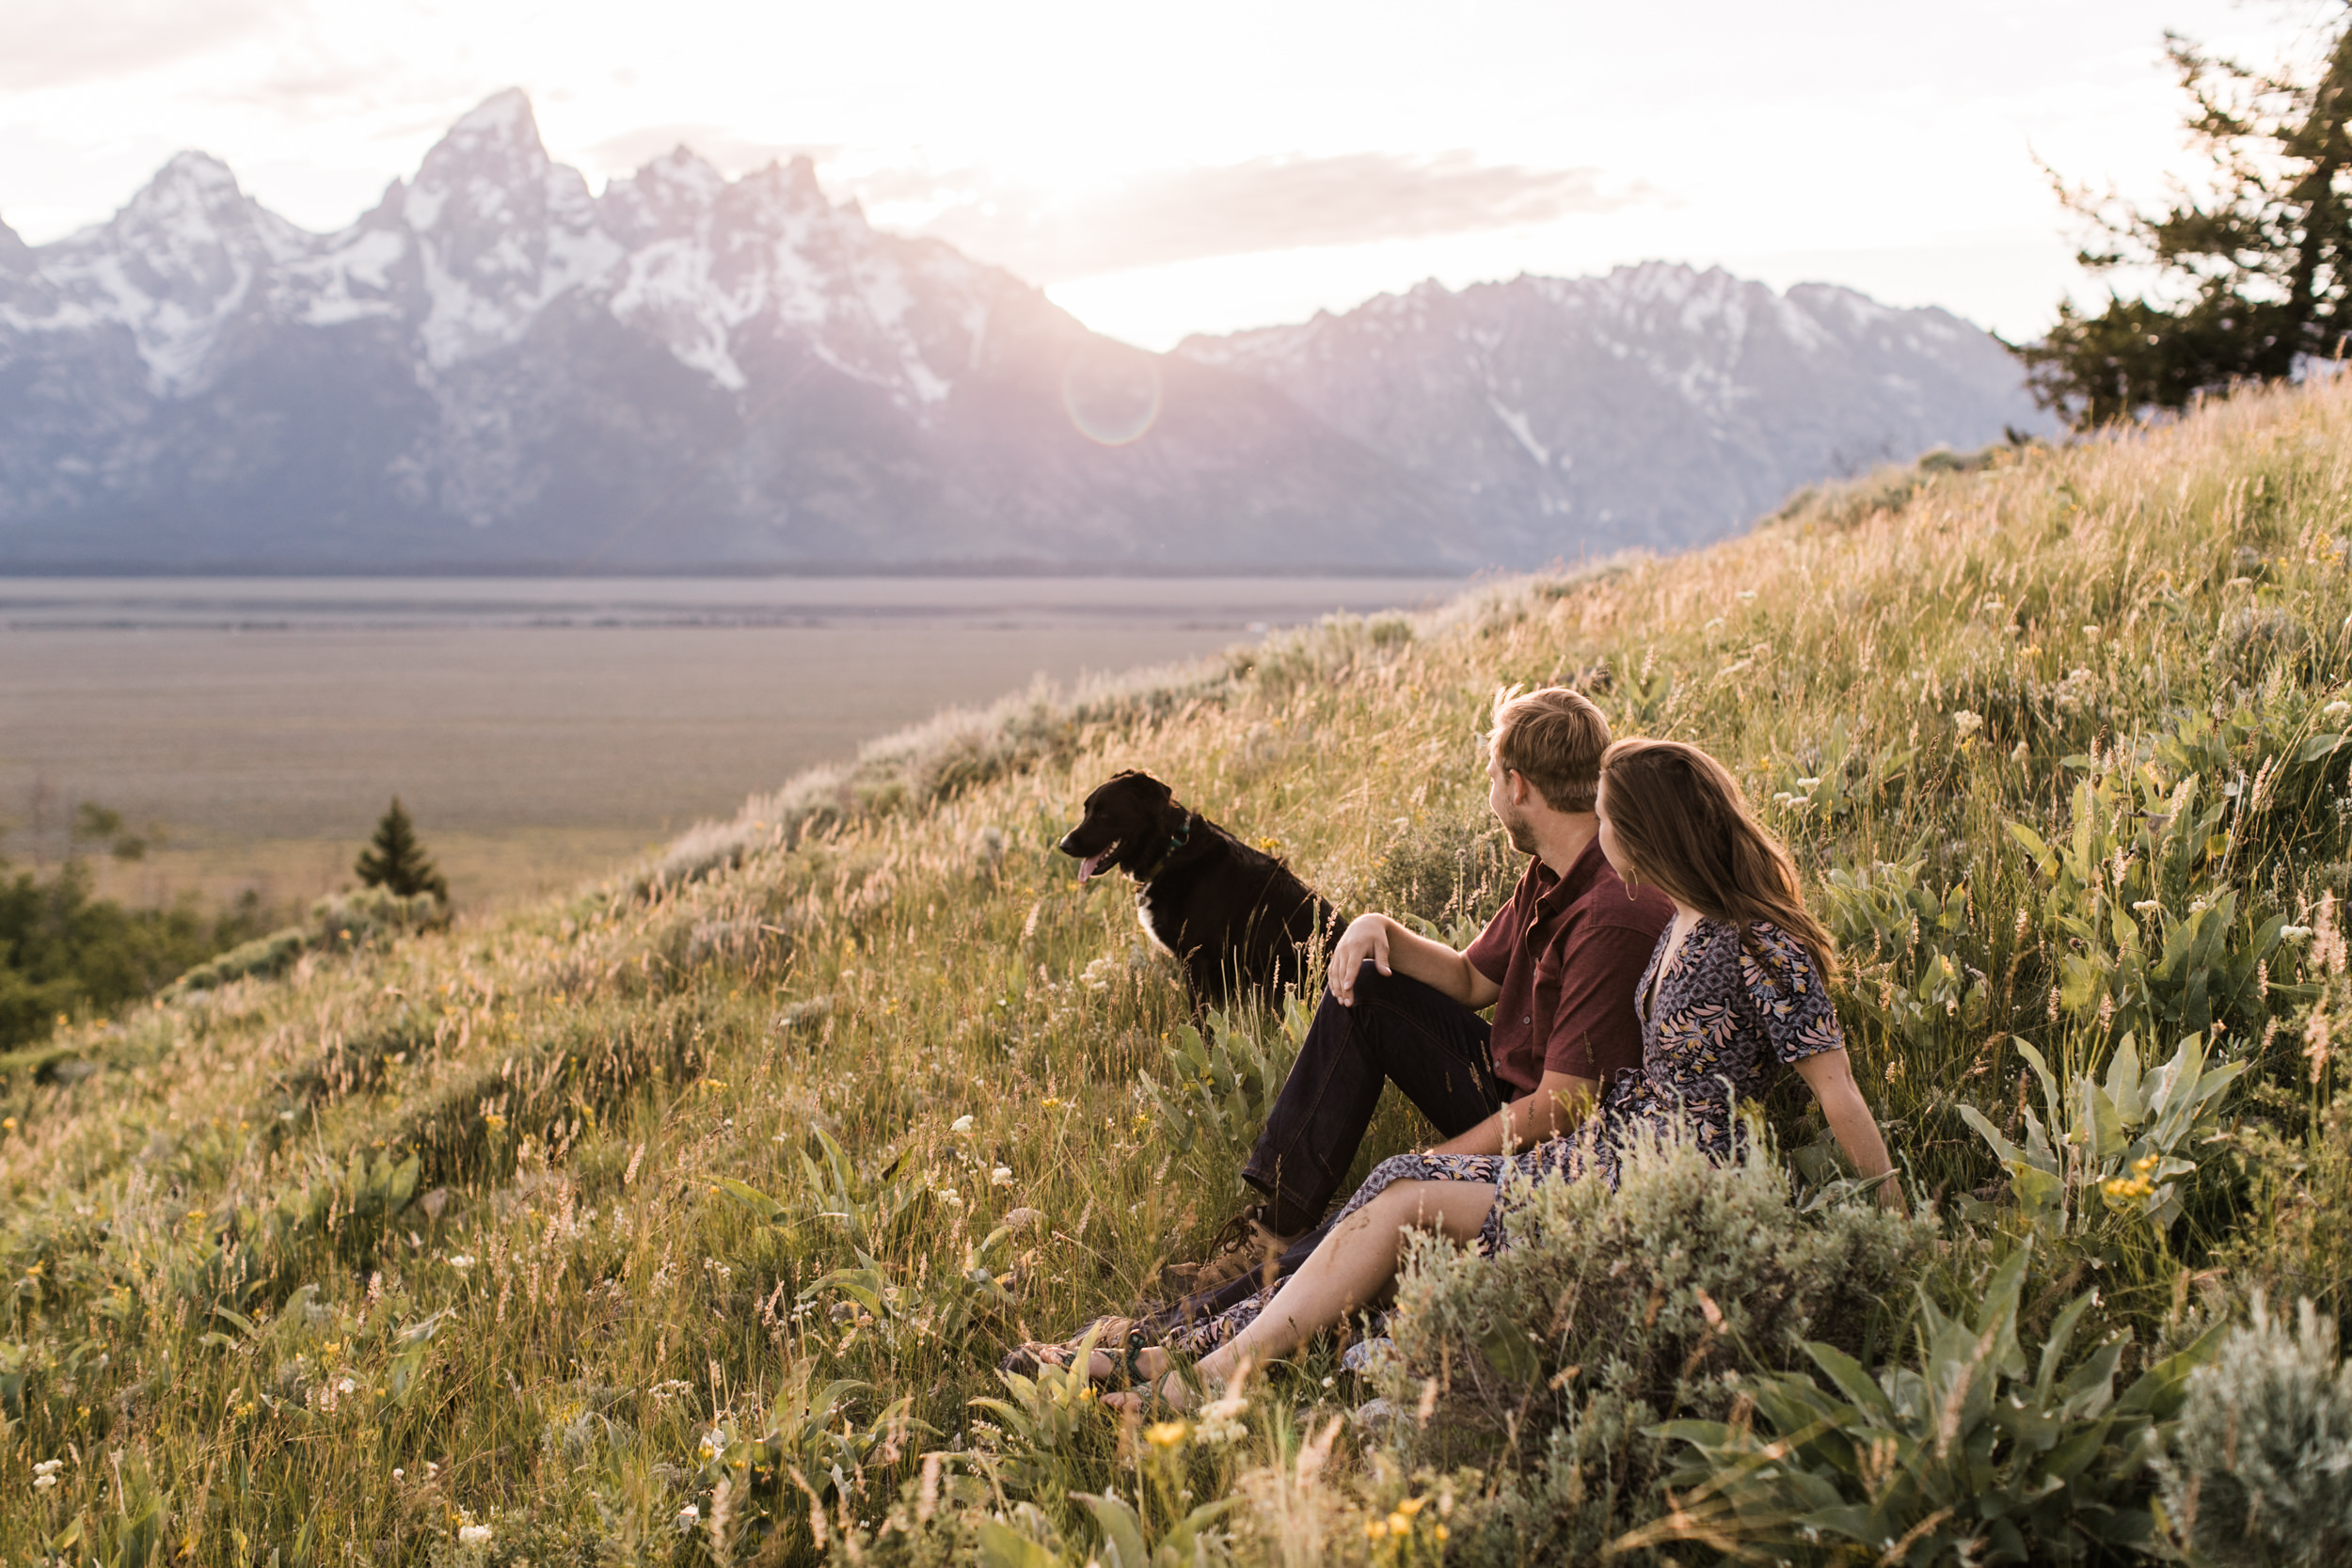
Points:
(1167, 1434)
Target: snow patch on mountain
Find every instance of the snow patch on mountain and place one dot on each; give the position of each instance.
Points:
(488, 237)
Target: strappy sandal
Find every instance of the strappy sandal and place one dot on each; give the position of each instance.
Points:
(1036, 1356)
(1153, 1397)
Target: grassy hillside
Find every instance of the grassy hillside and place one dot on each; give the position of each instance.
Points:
(630, 1225)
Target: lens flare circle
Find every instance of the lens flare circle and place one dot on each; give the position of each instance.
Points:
(1111, 392)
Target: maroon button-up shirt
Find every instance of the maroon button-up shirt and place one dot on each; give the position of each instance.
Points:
(1569, 954)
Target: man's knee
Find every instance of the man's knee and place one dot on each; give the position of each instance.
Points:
(1374, 987)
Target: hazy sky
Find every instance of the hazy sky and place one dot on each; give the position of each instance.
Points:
(1166, 168)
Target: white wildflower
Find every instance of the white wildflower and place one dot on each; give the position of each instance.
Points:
(49, 1467)
(1967, 723)
(2335, 708)
(962, 1124)
(2298, 934)
(1220, 1420)
(473, 1535)
(346, 1387)
(1000, 1177)
(2147, 906)
(43, 1483)
(461, 1261)
(949, 1197)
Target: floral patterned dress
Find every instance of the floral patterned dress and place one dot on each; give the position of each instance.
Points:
(1723, 1021)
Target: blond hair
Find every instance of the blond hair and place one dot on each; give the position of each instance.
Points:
(1679, 817)
(1553, 738)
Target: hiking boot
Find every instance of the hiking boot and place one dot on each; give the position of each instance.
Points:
(1244, 1247)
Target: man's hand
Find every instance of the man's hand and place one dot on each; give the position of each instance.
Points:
(1366, 936)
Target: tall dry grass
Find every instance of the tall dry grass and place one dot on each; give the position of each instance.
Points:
(683, 1217)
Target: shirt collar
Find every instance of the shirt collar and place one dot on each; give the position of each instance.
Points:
(1553, 892)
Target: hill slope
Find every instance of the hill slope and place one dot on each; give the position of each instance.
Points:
(535, 1228)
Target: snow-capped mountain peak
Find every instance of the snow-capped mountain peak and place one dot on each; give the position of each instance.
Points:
(496, 365)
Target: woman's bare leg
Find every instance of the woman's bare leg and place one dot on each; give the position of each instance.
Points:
(1351, 1267)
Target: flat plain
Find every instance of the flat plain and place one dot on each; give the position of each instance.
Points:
(538, 729)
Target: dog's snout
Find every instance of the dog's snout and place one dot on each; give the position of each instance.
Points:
(1068, 848)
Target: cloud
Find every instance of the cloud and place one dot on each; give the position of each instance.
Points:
(1266, 204)
(53, 44)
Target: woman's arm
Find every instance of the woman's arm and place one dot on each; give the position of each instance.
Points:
(1830, 1075)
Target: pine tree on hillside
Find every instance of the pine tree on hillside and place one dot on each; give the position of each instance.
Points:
(396, 861)
(2252, 276)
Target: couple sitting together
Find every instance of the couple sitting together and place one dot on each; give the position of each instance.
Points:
(1654, 968)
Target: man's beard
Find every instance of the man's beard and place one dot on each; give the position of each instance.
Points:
(1522, 836)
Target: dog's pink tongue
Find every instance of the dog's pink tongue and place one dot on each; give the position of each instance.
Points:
(1087, 866)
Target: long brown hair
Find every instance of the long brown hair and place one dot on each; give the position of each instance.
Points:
(1679, 817)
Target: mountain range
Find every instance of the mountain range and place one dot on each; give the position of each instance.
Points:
(496, 368)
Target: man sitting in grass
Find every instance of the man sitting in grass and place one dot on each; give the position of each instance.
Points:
(1559, 965)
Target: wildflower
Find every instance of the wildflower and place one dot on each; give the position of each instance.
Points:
(687, 1518)
(1020, 1219)
(43, 1483)
(1374, 1528)
(2146, 906)
(1167, 1434)
(962, 1124)
(1051, 1103)
(49, 1467)
(1220, 1420)
(1967, 723)
(399, 1474)
(7, 1124)
(949, 1197)
(1399, 1525)
(2332, 709)
(1000, 1177)
(2021, 753)
(2317, 1044)
(1411, 1506)
(345, 1386)
(462, 1260)
(1808, 784)
(1330, 1382)
(473, 1535)
(492, 1120)
(2296, 934)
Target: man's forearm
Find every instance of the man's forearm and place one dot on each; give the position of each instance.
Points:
(1433, 965)
(1559, 1103)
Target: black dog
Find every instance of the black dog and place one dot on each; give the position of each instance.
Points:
(1235, 917)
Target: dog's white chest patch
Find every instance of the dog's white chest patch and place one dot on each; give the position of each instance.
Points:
(1143, 915)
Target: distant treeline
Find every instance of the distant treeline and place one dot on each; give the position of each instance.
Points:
(66, 952)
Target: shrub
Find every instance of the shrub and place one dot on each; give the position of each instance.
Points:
(2255, 1472)
(2295, 1240)
(1972, 1457)
(1608, 1312)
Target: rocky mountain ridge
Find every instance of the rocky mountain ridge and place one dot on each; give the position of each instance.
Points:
(1659, 405)
(497, 369)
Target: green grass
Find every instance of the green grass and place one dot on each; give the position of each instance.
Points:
(566, 1191)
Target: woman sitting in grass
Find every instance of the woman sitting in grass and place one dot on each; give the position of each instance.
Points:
(1737, 989)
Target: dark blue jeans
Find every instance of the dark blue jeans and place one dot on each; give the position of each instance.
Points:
(1399, 1032)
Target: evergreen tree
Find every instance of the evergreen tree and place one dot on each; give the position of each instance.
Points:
(395, 859)
(2250, 278)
